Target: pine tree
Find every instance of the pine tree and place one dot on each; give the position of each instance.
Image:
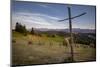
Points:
(17, 28)
(20, 28)
(32, 31)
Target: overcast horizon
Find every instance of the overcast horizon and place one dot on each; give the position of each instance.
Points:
(44, 15)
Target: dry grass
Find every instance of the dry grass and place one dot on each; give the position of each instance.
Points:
(45, 50)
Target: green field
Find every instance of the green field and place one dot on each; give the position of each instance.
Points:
(34, 49)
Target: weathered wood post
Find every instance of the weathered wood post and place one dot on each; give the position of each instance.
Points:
(71, 34)
(70, 30)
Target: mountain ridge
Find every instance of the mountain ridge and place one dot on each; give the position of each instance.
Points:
(75, 30)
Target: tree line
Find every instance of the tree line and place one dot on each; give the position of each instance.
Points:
(22, 29)
(82, 38)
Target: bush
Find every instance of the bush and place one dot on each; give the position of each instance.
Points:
(30, 43)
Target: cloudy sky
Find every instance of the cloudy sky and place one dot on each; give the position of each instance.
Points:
(43, 15)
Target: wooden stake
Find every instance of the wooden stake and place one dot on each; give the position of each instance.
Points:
(71, 35)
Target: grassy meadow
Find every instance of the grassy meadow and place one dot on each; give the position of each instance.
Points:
(34, 49)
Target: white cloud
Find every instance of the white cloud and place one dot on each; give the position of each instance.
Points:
(43, 5)
(36, 20)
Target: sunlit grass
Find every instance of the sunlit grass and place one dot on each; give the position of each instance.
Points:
(45, 49)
